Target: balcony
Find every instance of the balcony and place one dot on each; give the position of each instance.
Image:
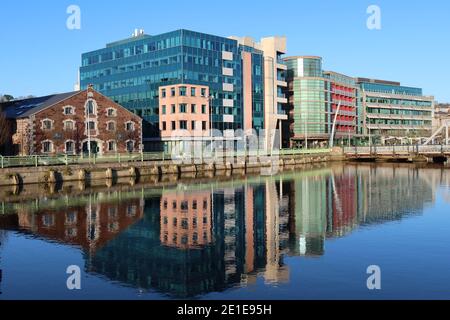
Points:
(281, 114)
(344, 93)
(281, 65)
(282, 83)
(281, 98)
(398, 117)
(228, 118)
(227, 72)
(345, 113)
(228, 102)
(228, 87)
(226, 55)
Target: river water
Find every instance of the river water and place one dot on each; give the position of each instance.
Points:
(310, 233)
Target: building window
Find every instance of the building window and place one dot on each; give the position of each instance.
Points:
(183, 124)
(130, 145)
(163, 93)
(91, 107)
(183, 108)
(111, 126)
(111, 112)
(69, 125)
(91, 125)
(193, 92)
(129, 126)
(173, 109)
(112, 146)
(69, 110)
(182, 91)
(131, 211)
(203, 108)
(172, 92)
(47, 124)
(193, 108)
(174, 126)
(203, 92)
(70, 147)
(204, 125)
(48, 220)
(193, 125)
(184, 224)
(47, 146)
(71, 218)
(163, 110)
(163, 126)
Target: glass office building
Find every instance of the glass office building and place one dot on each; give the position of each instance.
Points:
(131, 71)
(395, 113)
(317, 100)
(308, 101)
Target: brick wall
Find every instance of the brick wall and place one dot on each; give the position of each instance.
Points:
(58, 134)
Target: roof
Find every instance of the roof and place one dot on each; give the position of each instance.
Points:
(377, 81)
(302, 57)
(26, 107)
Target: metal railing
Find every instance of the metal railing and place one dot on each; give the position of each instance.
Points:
(59, 160)
(397, 149)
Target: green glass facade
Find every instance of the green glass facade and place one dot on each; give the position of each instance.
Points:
(308, 98)
(317, 100)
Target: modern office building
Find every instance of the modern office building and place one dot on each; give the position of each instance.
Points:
(317, 100)
(395, 113)
(275, 100)
(132, 71)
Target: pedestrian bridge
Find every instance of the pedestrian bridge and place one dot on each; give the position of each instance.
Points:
(436, 153)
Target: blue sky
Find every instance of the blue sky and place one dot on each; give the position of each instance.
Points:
(39, 55)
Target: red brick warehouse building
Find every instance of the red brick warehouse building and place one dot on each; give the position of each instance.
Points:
(59, 124)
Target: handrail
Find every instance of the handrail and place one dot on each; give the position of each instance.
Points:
(64, 159)
(398, 149)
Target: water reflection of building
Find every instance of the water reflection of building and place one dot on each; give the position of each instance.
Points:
(334, 202)
(388, 192)
(241, 241)
(186, 219)
(90, 226)
(192, 242)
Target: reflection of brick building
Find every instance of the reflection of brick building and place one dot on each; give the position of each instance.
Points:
(186, 219)
(90, 226)
(344, 206)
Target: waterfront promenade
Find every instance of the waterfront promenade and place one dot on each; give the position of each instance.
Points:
(53, 169)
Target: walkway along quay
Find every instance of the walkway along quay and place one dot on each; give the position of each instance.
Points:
(411, 153)
(54, 169)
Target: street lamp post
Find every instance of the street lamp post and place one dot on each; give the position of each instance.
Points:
(306, 133)
(88, 124)
(210, 102)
